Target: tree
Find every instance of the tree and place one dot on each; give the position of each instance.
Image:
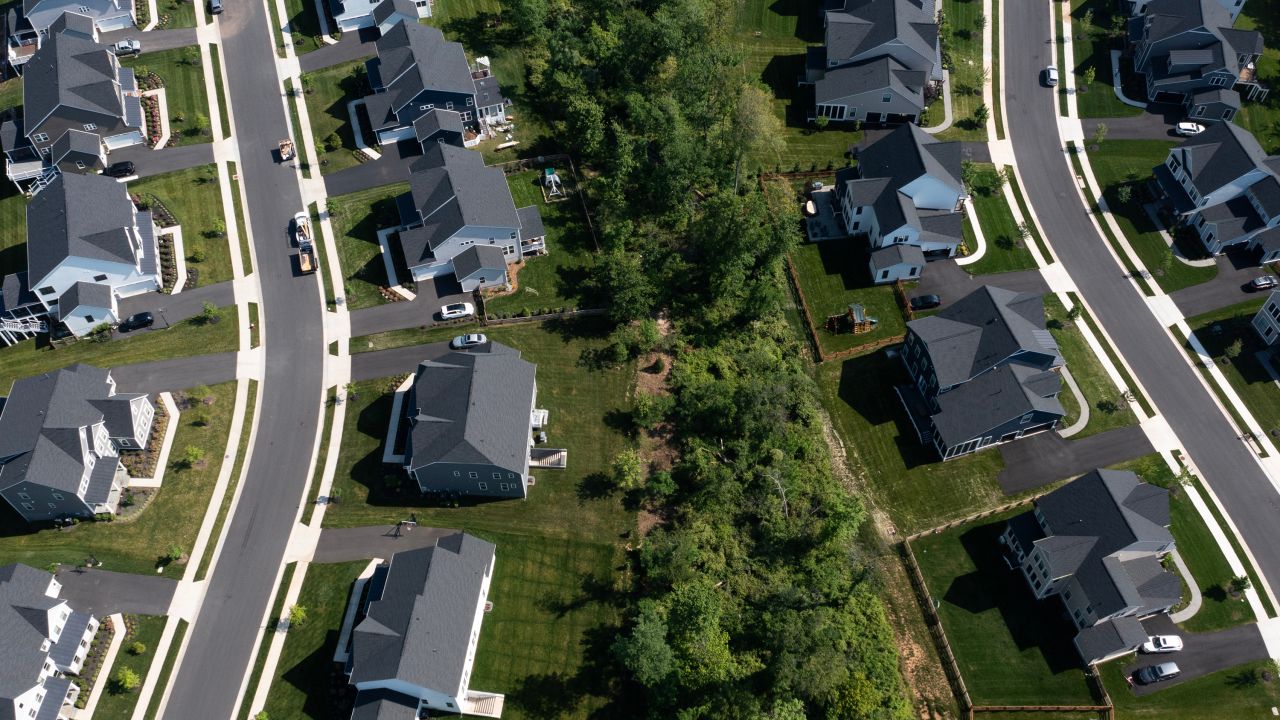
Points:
(980, 22)
(756, 128)
(981, 115)
(191, 55)
(627, 470)
(968, 173)
(1233, 350)
(1240, 583)
(821, 122)
(137, 648)
(127, 680)
(1089, 74)
(262, 716)
(1024, 233)
(200, 126)
(1124, 194)
(1099, 133)
(644, 651)
(1088, 18)
(208, 313)
(1074, 313)
(626, 282)
(191, 455)
(297, 616)
(1107, 406)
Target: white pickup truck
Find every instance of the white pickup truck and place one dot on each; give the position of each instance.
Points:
(128, 46)
(306, 250)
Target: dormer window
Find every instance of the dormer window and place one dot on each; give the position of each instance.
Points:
(90, 126)
(40, 137)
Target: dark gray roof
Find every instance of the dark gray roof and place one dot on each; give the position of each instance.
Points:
(384, 704)
(1221, 154)
(12, 136)
(477, 258)
(419, 630)
(64, 651)
(993, 399)
(17, 293)
(530, 222)
(883, 73)
(23, 628)
(1109, 638)
(1115, 510)
(857, 26)
(1243, 42)
(387, 8)
(906, 153)
(55, 690)
(453, 189)
(472, 407)
(488, 93)
(1268, 240)
(84, 294)
(436, 120)
(983, 329)
(1195, 57)
(73, 23)
(74, 72)
(87, 216)
(1225, 96)
(888, 257)
(1168, 18)
(1267, 193)
(75, 141)
(1233, 218)
(415, 57)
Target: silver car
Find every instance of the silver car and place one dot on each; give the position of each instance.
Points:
(462, 342)
(1157, 673)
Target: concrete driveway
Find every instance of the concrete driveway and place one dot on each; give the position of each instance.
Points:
(176, 374)
(1230, 286)
(102, 592)
(375, 541)
(352, 46)
(1202, 653)
(397, 361)
(148, 162)
(950, 282)
(1038, 460)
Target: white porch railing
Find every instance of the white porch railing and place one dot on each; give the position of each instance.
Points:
(482, 704)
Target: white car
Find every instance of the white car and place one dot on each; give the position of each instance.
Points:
(1051, 75)
(1186, 129)
(1162, 644)
(462, 342)
(457, 310)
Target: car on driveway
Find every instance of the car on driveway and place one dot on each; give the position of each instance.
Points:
(462, 342)
(1162, 644)
(136, 321)
(122, 169)
(1187, 129)
(126, 47)
(925, 302)
(456, 310)
(1051, 76)
(1157, 673)
(215, 7)
(1266, 282)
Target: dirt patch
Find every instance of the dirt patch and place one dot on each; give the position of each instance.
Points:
(657, 444)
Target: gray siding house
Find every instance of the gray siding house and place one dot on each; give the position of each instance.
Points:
(1096, 544)
(39, 19)
(896, 262)
(61, 435)
(44, 641)
(352, 15)
(983, 372)
(470, 420)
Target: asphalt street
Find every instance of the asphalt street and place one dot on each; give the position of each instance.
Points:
(223, 638)
(1227, 464)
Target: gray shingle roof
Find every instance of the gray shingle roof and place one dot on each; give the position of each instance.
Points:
(87, 216)
(1243, 42)
(453, 189)
(415, 57)
(1221, 154)
(1268, 240)
(75, 141)
(419, 630)
(17, 293)
(84, 294)
(882, 73)
(857, 26)
(23, 627)
(993, 399)
(1108, 638)
(488, 93)
(387, 8)
(888, 257)
(1233, 218)
(1225, 96)
(435, 121)
(478, 258)
(906, 153)
(384, 704)
(74, 23)
(74, 72)
(530, 222)
(63, 652)
(472, 407)
(1267, 193)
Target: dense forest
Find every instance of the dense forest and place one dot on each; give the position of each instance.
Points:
(751, 600)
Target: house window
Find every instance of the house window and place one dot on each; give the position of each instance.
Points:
(457, 474)
(28, 506)
(24, 496)
(886, 98)
(90, 126)
(483, 486)
(1066, 594)
(40, 137)
(497, 476)
(856, 225)
(46, 290)
(466, 116)
(84, 9)
(912, 272)
(425, 107)
(505, 487)
(99, 278)
(511, 475)
(858, 211)
(470, 101)
(88, 318)
(53, 506)
(1199, 111)
(473, 475)
(421, 3)
(509, 250)
(448, 106)
(884, 274)
(1025, 419)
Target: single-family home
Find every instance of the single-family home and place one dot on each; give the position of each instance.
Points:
(1190, 55)
(414, 644)
(468, 421)
(352, 15)
(905, 190)
(44, 641)
(880, 63)
(1266, 322)
(1139, 7)
(459, 217)
(36, 20)
(439, 126)
(61, 435)
(418, 70)
(87, 247)
(1226, 189)
(71, 85)
(1096, 544)
(984, 370)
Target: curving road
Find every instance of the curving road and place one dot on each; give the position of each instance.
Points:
(221, 644)
(1174, 387)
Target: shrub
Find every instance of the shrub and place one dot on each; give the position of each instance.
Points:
(126, 680)
(197, 256)
(137, 648)
(297, 615)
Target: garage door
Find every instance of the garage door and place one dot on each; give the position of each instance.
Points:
(120, 22)
(116, 142)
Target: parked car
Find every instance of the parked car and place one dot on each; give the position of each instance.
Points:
(1266, 282)
(1187, 129)
(456, 310)
(470, 340)
(215, 7)
(137, 321)
(925, 302)
(1051, 76)
(122, 169)
(128, 46)
(1162, 644)
(1157, 673)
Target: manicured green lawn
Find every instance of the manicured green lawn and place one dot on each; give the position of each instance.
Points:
(192, 196)
(904, 479)
(1006, 250)
(181, 13)
(1011, 649)
(183, 88)
(11, 93)
(172, 519)
(965, 46)
(304, 674)
(1128, 162)
(189, 337)
(1085, 367)
(117, 704)
(1237, 692)
(1217, 331)
(558, 279)
(301, 141)
(224, 112)
(832, 275)
(1092, 49)
(1263, 118)
(327, 93)
(305, 26)
(13, 230)
(356, 220)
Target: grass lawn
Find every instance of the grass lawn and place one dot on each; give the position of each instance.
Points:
(1006, 250)
(183, 89)
(905, 479)
(1092, 49)
(11, 93)
(189, 337)
(356, 220)
(1217, 331)
(193, 198)
(13, 230)
(965, 46)
(559, 278)
(1237, 692)
(118, 704)
(1263, 119)
(1011, 649)
(1085, 367)
(305, 26)
(172, 519)
(306, 663)
(833, 274)
(166, 669)
(301, 141)
(327, 93)
(1117, 163)
(181, 13)
(224, 113)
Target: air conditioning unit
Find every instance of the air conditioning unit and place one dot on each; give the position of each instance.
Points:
(488, 606)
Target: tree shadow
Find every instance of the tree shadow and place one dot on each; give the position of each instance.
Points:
(595, 486)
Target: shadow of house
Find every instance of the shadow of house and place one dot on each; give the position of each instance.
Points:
(865, 385)
(316, 677)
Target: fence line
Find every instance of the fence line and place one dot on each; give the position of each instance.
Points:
(949, 666)
(518, 165)
(548, 316)
(794, 280)
(977, 516)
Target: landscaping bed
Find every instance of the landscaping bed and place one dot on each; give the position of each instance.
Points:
(182, 76)
(191, 198)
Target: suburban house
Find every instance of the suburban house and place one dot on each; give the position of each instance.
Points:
(458, 217)
(1267, 320)
(352, 15)
(880, 63)
(439, 126)
(40, 19)
(468, 421)
(71, 85)
(1224, 187)
(1190, 55)
(1139, 7)
(87, 247)
(44, 641)
(61, 435)
(984, 370)
(416, 71)
(905, 190)
(1096, 543)
(413, 647)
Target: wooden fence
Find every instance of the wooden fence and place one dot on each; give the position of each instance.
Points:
(819, 353)
(934, 623)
